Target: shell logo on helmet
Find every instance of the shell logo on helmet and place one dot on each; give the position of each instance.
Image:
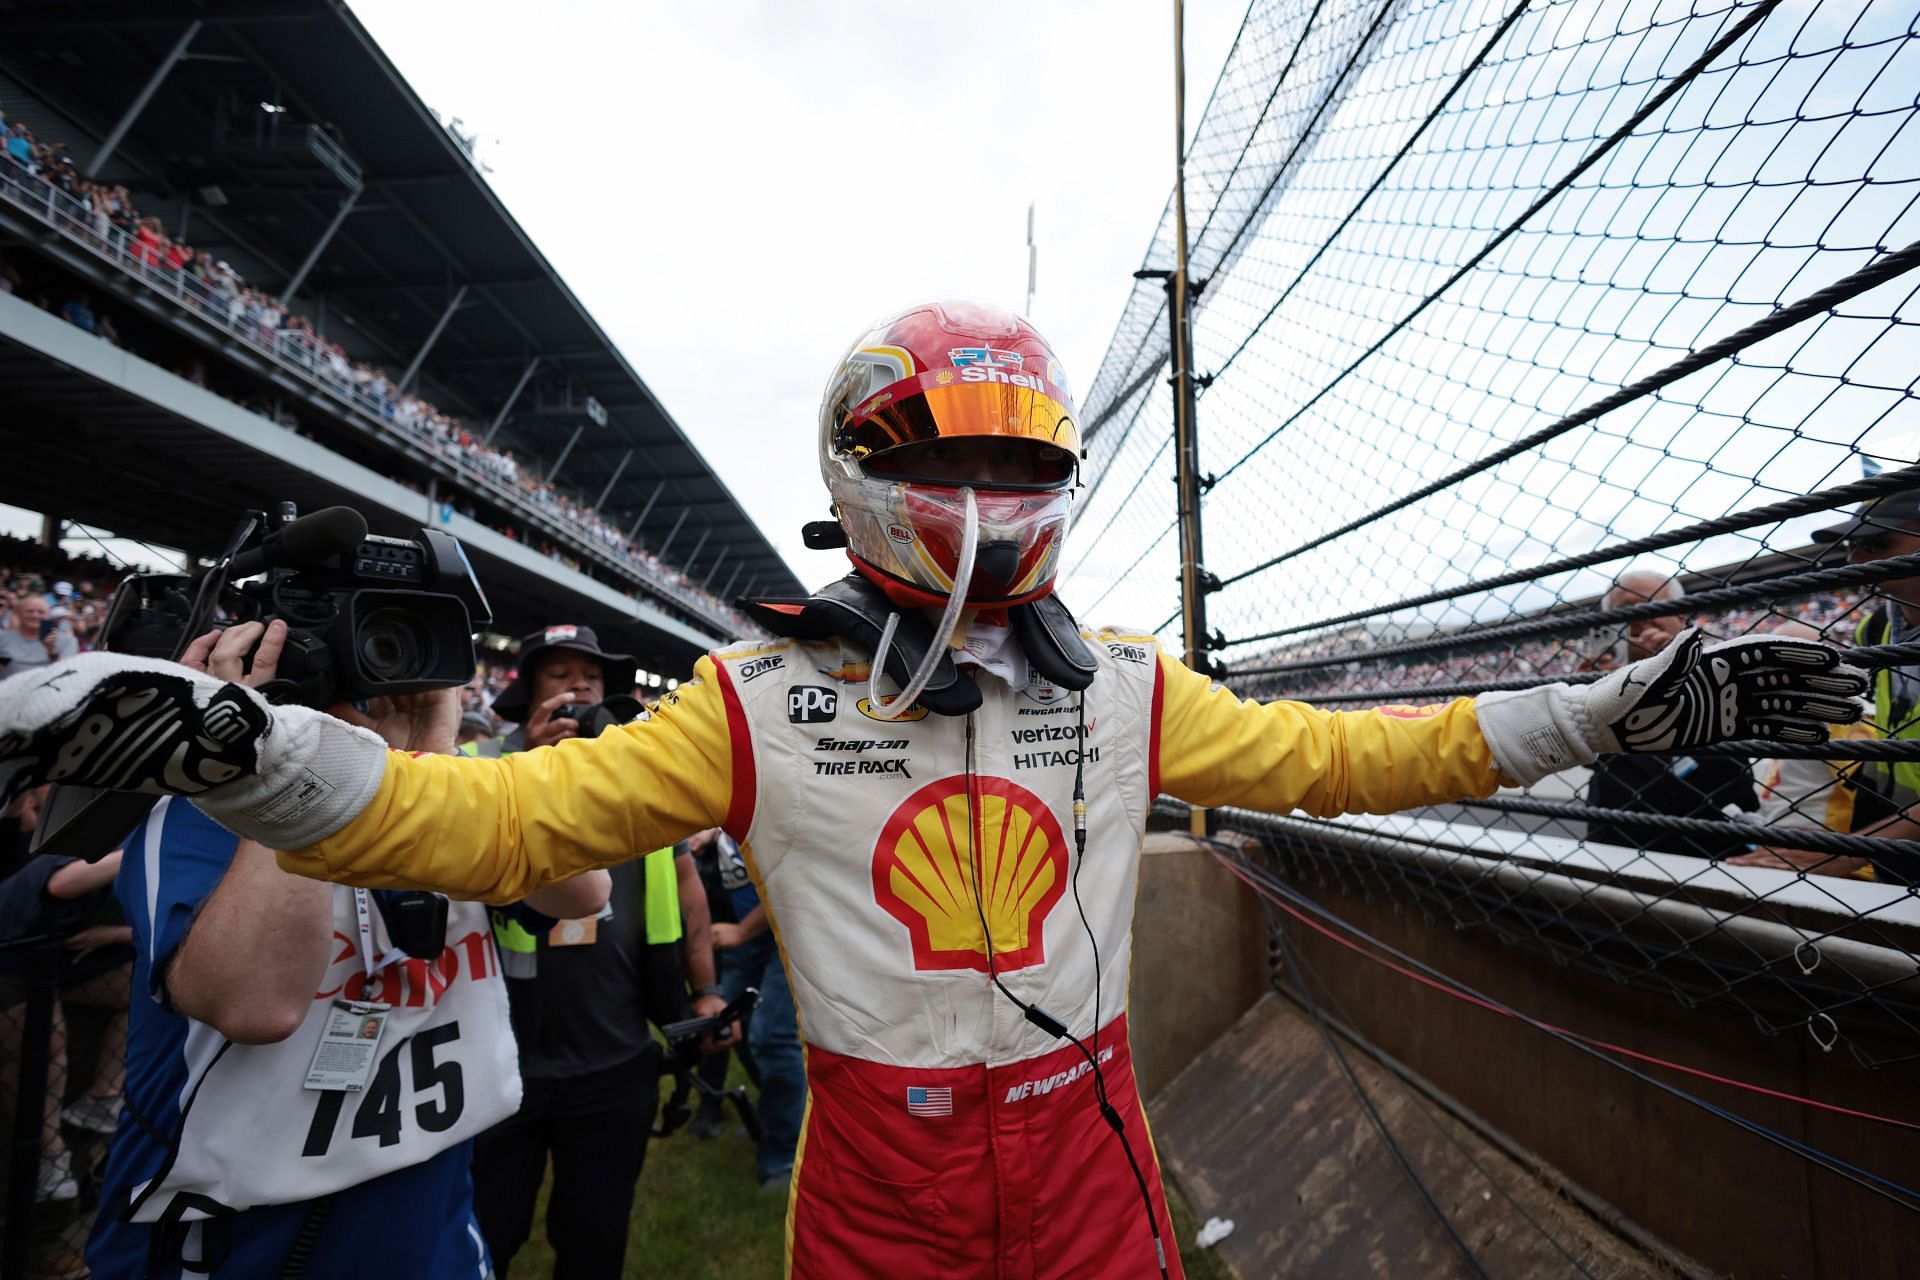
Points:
(986, 373)
(925, 868)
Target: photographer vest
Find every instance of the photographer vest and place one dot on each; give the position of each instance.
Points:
(856, 832)
(250, 1134)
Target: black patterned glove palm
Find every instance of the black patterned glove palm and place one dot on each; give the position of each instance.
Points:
(1692, 693)
(128, 724)
(286, 776)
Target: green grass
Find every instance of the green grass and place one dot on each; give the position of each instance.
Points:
(699, 1213)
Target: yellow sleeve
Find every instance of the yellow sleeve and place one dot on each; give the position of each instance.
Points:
(1213, 749)
(495, 830)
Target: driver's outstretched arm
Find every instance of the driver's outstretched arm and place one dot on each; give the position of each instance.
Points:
(495, 830)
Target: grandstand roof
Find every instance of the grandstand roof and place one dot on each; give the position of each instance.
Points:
(260, 189)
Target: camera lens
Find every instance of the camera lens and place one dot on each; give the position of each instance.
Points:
(394, 646)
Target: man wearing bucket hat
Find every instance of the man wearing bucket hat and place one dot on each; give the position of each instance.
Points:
(939, 781)
(559, 666)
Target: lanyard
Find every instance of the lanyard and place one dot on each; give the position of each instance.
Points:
(363, 908)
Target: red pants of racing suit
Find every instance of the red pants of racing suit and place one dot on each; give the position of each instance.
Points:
(995, 1173)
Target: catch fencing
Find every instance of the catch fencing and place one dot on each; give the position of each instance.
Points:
(1499, 303)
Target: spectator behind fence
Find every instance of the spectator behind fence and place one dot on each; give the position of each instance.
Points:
(270, 1136)
(35, 637)
(1804, 794)
(1880, 530)
(583, 992)
(1680, 786)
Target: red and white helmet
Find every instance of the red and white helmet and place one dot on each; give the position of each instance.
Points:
(906, 391)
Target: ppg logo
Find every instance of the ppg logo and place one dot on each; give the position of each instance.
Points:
(810, 704)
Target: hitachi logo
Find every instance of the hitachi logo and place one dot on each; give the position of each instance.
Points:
(1042, 759)
(1034, 1088)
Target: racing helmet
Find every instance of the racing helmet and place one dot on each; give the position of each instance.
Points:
(936, 397)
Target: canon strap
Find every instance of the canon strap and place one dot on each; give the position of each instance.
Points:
(856, 610)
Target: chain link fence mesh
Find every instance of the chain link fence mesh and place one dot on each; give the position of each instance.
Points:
(1519, 320)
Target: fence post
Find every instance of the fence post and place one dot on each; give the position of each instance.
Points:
(1194, 579)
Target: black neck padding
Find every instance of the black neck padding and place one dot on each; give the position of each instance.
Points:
(855, 610)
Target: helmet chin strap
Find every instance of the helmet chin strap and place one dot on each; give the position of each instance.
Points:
(943, 630)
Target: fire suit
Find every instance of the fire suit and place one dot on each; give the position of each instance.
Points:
(946, 1135)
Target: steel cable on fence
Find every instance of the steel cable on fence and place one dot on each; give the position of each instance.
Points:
(1862, 490)
(1659, 99)
(1875, 848)
(1886, 1188)
(1884, 268)
(1786, 586)
(1439, 109)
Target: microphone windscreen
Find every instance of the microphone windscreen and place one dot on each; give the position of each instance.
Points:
(314, 537)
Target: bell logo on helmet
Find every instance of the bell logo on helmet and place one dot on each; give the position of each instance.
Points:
(964, 356)
(901, 534)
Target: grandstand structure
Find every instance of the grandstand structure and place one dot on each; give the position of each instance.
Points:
(301, 287)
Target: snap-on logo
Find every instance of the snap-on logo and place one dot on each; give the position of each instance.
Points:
(810, 704)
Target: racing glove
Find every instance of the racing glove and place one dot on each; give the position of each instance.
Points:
(285, 776)
(1688, 695)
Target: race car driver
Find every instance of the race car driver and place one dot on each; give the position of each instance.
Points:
(939, 780)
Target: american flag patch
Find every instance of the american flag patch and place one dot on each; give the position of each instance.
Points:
(929, 1102)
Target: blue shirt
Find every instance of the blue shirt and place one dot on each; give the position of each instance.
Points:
(415, 1222)
(734, 878)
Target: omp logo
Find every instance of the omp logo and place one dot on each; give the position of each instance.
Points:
(1129, 652)
(927, 871)
(810, 704)
(760, 666)
(865, 708)
(968, 357)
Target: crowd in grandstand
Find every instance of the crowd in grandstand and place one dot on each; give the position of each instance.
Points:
(103, 214)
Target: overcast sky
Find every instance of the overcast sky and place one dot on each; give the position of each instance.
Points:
(736, 189)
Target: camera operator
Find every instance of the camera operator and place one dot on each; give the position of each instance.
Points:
(583, 993)
(305, 1080)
